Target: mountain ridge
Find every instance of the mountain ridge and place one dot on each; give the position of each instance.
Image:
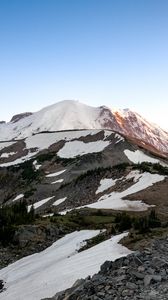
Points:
(72, 115)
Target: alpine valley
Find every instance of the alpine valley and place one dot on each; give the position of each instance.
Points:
(80, 187)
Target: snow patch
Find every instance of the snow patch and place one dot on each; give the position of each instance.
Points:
(139, 157)
(6, 144)
(39, 203)
(119, 138)
(55, 174)
(114, 200)
(18, 197)
(45, 140)
(105, 184)
(59, 201)
(6, 155)
(36, 165)
(48, 215)
(19, 160)
(57, 181)
(56, 268)
(74, 148)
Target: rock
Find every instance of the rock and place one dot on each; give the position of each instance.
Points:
(147, 280)
(106, 266)
(127, 293)
(1, 285)
(131, 285)
(18, 117)
(137, 274)
(157, 278)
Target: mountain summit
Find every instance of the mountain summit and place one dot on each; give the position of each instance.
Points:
(70, 115)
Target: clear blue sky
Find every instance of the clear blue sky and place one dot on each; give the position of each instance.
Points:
(101, 52)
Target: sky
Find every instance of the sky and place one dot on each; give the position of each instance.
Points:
(100, 52)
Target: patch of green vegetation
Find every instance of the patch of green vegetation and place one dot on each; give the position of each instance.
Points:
(121, 166)
(141, 224)
(83, 221)
(28, 172)
(151, 168)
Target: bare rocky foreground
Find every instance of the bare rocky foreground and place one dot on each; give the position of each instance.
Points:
(139, 276)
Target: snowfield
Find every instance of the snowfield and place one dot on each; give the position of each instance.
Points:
(19, 160)
(18, 197)
(139, 157)
(74, 148)
(36, 165)
(39, 203)
(57, 268)
(59, 201)
(41, 142)
(57, 181)
(114, 200)
(6, 144)
(56, 173)
(105, 184)
(6, 155)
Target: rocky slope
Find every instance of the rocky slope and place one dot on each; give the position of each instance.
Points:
(51, 170)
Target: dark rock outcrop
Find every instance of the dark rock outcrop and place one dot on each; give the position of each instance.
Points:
(30, 239)
(18, 117)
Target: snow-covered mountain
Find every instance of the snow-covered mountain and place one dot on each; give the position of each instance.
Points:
(69, 115)
(90, 162)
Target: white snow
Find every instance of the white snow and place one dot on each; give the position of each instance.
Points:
(45, 140)
(36, 165)
(6, 144)
(139, 157)
(59, 201)
(134, 174)
(18, 197)
(71, 115)
(19, 160)
(57, 181)
(119, 138)
(44, 274)
(105, 184)
(114, 200)
(6, 155)
(55, 174)
(63, 115)
(74, 148)
(39, 203)
(48, 215)
(66, 211)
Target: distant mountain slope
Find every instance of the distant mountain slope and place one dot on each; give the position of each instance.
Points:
(69, 115)
(35, 168)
